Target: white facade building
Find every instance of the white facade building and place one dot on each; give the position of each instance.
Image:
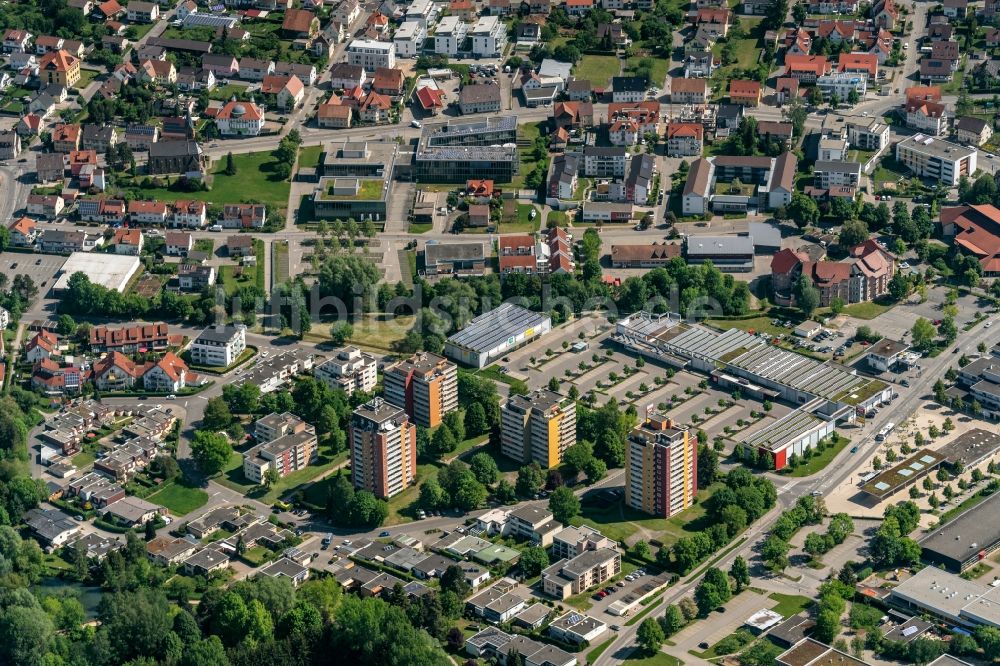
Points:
(409, 39)
(219, 346)
(489, 37)
(450, 34)
(351, 370)
(372, 54)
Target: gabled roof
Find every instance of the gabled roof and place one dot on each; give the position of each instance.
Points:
(59, 61)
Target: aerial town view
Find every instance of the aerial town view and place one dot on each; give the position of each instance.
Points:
(499, 332)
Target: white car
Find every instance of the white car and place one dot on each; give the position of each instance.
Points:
(988, 324)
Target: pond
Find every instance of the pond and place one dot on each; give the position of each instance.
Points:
(89, 596)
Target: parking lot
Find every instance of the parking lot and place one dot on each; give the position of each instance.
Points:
(41, 268)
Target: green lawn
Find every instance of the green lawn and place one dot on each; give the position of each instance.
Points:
(205, 245)
(747, 52)
(180, 499)
(619, 522)
(309, 156)
(756, 324)
(231, 283)
(225, 93)
(558, 217)
(419, 228)
(598, 69)
(523, 224)
(253, 181)
(658, 74)
(595, 654)
(86, 77)
(818, 462)
(868, 310)
(642, 658)
(789, 604)
(83, 459)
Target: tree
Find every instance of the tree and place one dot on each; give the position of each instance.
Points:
(775, 552)
(211, 451)
(563, 504)
(533, 560)
(484, 467)
(530, 480)
(595, 469)
(923, 334)
(672, 620)
(217, 415)
(807, 297)
(443, 441)
(710, 594)
(453, 579)
(650, 635)
(740, 573)
(341, 332)
(853, 233)
(431, 494)
(576, 457)
(803, 210)
(640, 549)
(475, 420)
(230, 165)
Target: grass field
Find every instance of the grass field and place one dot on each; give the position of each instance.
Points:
(660, 69)
(757, 324)
(419, 228)
(818, 462)
(206, 245)
(868, 310)
(86, 77)
(598, 69)
(83, 459)
(557, 217)
(619, 522)
(376, 331)
(180, 499)
(522, 224)
(789, 604)
(253, 181)
(642, 658)
(310, 155)
(225, 93)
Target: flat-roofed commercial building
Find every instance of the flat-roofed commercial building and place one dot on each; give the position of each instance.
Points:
(930, 157)
(459, 150)
(425, 385)
(537, 427)
(971, 448)
(661, 468)
(903, 474)
(948, 597)
(733, 254)
(383, 449)
(790, 435)
(495, 333)
(965, 540)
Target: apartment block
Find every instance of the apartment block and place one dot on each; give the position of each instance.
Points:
(286, 443)
(371, 54)
(574, 541)
(661, 469)
(537, 427)
(383, 449)
(593, 567)
(219, 345)
(489, 37)
(929, 157)
(425, 385)
(350, 370)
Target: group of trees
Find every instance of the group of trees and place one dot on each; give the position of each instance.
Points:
(891, 546)
(459, 485)
(743, 500)
(285, 155)
(808, 510)
(354, 508)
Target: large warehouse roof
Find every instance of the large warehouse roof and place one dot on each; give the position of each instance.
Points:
(493, 328)
(967, 534)
(108, 270)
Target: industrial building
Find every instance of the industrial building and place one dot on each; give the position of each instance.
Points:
(965, 540)
(537, 427)
(383, 449)
(970, 449)
(425, 385)
(790, 435)
(948, 597)
(495, 333)
(825, 394)
(112, 271)
(731, 254)
(661, 468)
